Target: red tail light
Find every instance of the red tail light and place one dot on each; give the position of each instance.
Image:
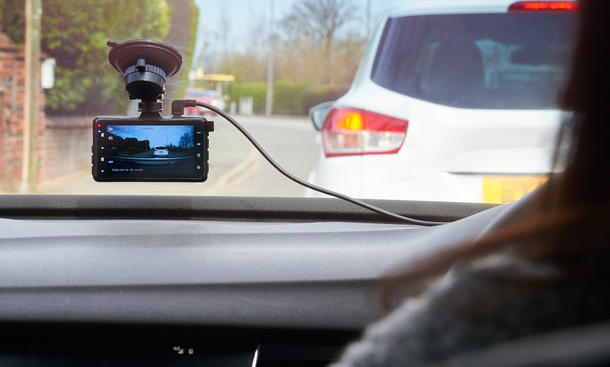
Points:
(543, 6)
(351, 131)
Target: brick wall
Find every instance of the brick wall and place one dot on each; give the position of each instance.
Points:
(63, 142)
(11, 119)
(65, 146)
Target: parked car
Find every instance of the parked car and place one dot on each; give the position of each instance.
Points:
(160, 152)
(204, 95)
(453, 101)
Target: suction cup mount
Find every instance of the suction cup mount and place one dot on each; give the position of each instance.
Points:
(145, 65)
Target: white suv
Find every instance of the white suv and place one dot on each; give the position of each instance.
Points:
(453, 101)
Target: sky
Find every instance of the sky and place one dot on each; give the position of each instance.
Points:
(157, 135)
(243, 13)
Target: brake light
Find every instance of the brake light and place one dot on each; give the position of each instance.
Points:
(543, 6)
(351, 131)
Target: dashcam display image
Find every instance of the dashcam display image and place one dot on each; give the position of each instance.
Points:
(150, 149)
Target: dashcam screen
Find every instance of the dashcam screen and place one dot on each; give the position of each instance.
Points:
(159, 150)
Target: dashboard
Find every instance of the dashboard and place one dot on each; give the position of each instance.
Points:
(107, 280)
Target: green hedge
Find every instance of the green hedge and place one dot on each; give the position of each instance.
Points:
(257, 90)
(290, 98)
(317, 95)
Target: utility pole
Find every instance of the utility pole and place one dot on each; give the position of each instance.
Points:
(270, 52)
(368, 18)
(29, 163)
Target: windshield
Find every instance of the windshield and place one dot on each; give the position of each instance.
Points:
(423, 105)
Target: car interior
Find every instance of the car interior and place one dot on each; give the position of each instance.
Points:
(133, 280)
(202, 280)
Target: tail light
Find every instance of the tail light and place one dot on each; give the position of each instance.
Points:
(351, 131)
(543, 6)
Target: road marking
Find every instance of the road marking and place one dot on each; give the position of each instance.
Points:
(235, 175)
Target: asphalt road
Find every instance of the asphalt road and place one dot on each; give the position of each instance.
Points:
(290, 141)
(236, 169)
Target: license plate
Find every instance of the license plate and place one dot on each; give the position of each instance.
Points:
(504, 189)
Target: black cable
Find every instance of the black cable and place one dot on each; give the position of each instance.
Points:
(189, 103)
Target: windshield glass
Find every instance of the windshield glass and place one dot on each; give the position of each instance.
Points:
(497, 61)
(424, 104)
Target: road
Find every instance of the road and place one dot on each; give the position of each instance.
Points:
(236, 169)
(290, 141)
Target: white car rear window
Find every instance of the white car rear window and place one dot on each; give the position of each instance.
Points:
(490, 61)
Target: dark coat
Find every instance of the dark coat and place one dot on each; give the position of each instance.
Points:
(494, 300)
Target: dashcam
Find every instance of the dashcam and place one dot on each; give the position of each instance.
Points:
(167, 149)
(149, 147)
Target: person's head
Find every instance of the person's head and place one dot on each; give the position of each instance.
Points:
(587, 94)
(571, 225)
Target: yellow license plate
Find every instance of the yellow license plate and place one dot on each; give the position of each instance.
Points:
(504, 189)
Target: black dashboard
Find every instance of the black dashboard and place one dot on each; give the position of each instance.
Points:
(107, 280)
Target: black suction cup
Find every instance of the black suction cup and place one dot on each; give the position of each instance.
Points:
(145, 64)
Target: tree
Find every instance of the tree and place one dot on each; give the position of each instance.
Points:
(182, 35)
(312, 29)
(318, 21)
(186, 140)
(74, 32)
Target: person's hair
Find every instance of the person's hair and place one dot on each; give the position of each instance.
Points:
(569, 226)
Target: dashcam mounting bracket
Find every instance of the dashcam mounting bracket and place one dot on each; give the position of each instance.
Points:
(145, 66)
